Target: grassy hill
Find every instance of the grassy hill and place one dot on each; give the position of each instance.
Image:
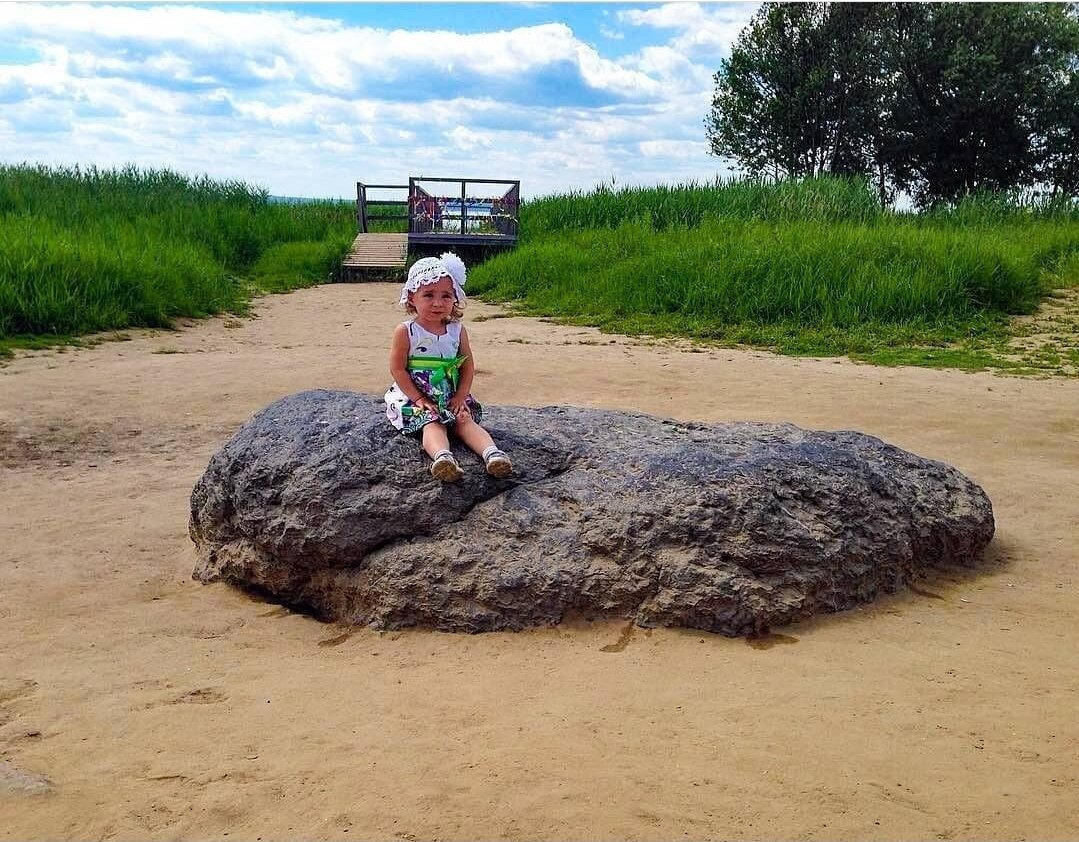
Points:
(85, 250)
(808, 267)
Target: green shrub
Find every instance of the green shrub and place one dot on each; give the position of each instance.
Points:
(301, 264)
(809, 264)
(54, 281)
(88, 249)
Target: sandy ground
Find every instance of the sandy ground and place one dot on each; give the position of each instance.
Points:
(159, 708)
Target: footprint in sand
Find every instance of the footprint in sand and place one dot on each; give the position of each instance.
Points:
(198, 696)
(623, 639)
(14, 688)
(770, 639)
(337, 640)
(203, 631)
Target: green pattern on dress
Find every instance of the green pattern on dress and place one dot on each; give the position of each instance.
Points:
(443, 375)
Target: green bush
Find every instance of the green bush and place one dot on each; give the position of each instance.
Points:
(814, 264)
(53, 281)
(688, 205)
(87, 249)
(301, 264)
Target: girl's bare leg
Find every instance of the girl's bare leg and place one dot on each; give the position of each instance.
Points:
(471, 433)
(435, 438)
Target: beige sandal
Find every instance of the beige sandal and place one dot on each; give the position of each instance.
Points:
(498, 464)
(445, 467)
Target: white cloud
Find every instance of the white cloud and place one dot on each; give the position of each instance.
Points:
(469, 140)
(329, 56)
(674, 68)
(278, 70)
(306, 105)
(685, 149)
(704, 31)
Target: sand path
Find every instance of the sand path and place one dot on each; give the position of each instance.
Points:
(159, 708)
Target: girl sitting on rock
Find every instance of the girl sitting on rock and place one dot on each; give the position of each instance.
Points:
(432, 367)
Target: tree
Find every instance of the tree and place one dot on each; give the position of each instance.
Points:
(853, 35)
(1060, 144)
(937, 99)
(774, 95)
(1058, 137)
(801, 92)
(984, 95)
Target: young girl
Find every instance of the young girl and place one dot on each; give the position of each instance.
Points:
(432, 367)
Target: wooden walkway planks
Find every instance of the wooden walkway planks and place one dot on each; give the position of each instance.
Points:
(377, 251)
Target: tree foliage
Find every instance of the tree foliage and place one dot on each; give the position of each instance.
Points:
(936, 99)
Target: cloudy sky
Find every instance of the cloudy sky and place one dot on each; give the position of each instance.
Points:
(307, 99)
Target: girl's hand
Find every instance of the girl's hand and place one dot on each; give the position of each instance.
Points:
(426, 404)
(457, 404)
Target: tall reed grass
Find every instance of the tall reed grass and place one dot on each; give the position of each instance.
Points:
(745, 260)
(688, 205)
(85, 249)
(814, 264)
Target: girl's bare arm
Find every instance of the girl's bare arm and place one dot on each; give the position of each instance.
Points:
(399, 368)
(468, 367)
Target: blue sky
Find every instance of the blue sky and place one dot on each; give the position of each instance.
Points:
(307, 99)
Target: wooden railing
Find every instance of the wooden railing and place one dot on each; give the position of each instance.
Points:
(430, 214)
(362, 219)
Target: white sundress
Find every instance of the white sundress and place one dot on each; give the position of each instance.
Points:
(433, 365)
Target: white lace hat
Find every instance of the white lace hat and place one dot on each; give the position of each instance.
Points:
(427, 270)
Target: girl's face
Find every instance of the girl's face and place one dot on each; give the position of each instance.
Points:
(434, 302)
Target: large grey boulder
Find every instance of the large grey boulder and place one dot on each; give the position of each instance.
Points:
(735, 528)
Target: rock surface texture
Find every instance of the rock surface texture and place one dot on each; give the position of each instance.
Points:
(733, 528)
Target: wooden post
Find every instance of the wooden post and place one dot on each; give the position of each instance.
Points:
(361, 207)
(464, 213)
(411, 200)
(513, 197)
(516, 208)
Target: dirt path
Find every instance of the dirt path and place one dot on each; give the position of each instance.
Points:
(159, 708)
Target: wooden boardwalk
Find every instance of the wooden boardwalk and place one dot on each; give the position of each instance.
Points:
(473, 225)
(376, 254)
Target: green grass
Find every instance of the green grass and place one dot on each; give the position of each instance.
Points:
(813, 268)
(688, 205)
(85, 250)
(810, 267)
(288, 266)
(377, 224)
(809, 273)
